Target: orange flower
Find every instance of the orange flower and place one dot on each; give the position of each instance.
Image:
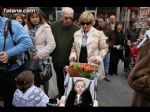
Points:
(81, 70)
(73, 72)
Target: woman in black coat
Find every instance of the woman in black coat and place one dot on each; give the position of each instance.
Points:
(117, 51)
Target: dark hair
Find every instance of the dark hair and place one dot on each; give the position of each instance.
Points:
(1, 14)
(101, 16)
(117, 23)
(133, 20)
(25, 77)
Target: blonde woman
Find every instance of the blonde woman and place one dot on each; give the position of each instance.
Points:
(43, 40)
(89, 44)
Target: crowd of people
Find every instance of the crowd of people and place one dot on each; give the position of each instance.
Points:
(63, 41)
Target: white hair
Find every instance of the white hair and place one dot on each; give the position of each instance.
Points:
(68, 10)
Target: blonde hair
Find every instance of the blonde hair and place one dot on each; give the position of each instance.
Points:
(87, 16)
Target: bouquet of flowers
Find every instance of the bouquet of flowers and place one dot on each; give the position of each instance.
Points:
(81, 70)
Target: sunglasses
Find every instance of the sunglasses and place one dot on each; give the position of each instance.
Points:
(87, 23)
(68, 18)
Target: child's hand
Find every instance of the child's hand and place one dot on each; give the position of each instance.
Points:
(60, 102)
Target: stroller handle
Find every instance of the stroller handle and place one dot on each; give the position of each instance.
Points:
(93, 64)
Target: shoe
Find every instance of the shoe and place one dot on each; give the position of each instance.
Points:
(107, 79)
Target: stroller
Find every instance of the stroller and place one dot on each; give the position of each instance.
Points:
(90, 84)
(133, 54)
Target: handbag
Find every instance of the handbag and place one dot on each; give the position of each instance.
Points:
(4, 68)
(31, 64)
(47, 74)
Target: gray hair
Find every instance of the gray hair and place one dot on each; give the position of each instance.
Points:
(67, 9)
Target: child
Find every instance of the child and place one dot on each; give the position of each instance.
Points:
(27, 94)
(79, 96)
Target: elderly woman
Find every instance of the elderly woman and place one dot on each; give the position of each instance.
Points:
(89, 44)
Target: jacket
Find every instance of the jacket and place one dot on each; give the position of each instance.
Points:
(96, 46)
(64, 38)
(109, 33)
(20, 36)
(139, 78)
(44, 41)
(131, 34)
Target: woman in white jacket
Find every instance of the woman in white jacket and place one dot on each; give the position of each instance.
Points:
(89, 44)
(43, 40)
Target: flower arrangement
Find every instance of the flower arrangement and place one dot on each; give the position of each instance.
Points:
(81, 70)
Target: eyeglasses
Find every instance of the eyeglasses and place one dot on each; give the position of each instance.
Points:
(87, 23)
(68, 18)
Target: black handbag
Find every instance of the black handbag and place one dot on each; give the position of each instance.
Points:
(31, 64)
(4, 68)
(47, 76)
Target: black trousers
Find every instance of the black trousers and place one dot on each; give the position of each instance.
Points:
(60, 79)
(127, 58)
(115, 56)
(8, 87)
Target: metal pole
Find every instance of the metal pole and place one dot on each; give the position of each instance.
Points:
(118, 13)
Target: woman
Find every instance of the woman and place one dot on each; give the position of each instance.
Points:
(89, 44)
(43, 40)
(139, 78)
(20, 18)
(117, 52)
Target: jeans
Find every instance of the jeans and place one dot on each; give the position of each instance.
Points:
(106, 63)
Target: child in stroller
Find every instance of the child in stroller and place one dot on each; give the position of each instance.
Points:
(79, 91)
(79, 96)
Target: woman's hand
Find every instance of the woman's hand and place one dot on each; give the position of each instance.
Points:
(3, 57)
(35, 56)
(96, 62)
(72, 59)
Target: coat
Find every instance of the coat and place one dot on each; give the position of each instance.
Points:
(64, 38)
(109, 33)
(96, 47)
(139, 78)
(44, 41)
(86, 99)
